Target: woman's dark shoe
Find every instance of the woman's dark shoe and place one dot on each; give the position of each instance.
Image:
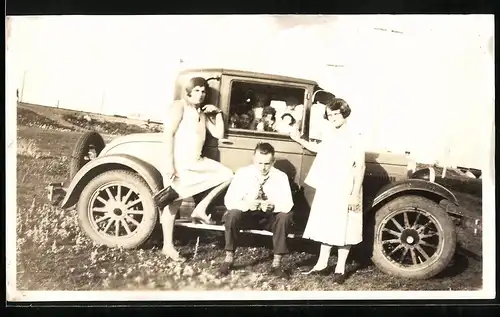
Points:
(225, 268)
(339, 278)
(165, 197)
(280, 272)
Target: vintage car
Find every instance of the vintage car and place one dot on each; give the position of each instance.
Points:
(409, 218)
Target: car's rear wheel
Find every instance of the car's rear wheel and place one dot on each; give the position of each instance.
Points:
(116, 209)
(413, 238)
(88, 147)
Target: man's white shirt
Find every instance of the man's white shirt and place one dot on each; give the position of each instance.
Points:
(245, 186)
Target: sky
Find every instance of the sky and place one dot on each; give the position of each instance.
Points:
(427, 69)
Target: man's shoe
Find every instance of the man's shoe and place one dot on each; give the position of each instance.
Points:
(225, 268)
(165, 197)
(280, 272)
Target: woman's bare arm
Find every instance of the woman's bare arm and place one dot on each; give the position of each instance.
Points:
(216, 129)
(171, 124)
(311, 146)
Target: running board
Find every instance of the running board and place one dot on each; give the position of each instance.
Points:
(190, 224)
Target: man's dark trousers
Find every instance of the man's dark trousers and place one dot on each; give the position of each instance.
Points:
(278, 223)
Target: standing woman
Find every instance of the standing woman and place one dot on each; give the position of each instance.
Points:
(337, 173)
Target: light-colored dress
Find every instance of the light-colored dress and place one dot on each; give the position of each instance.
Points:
(332, 175)
(195, 173)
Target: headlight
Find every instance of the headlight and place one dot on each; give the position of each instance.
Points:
(428, 174)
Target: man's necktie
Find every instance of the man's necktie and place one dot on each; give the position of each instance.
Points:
(261, 195)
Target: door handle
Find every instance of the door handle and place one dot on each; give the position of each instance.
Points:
(225, 142)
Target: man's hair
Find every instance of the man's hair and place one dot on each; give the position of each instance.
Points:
(338, 104)
(264, 148)
(196, 82)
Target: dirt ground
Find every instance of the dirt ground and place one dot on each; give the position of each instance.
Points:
(54, 254)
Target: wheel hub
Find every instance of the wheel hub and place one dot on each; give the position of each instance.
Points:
(410, 237)
(117, 210)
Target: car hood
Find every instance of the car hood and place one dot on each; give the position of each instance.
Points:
(133, 138)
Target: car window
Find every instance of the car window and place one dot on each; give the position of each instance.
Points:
(265, 108)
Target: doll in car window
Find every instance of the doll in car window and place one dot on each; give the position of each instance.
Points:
(268, 120)
(286, 124)
(294, 108)
(242, 114)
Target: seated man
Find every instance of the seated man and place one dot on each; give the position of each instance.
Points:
(259, 197)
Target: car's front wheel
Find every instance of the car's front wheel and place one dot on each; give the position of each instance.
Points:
(413, 238)
(116, 209)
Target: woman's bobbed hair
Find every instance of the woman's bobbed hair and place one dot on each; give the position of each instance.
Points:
(338, 104)
(196, 82)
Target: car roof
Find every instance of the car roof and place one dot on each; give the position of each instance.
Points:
(244, 73)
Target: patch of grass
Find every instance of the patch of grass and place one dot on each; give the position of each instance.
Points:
(54, 254)
(471, 186)
(27, 148)
(116, 128)
(28, 118)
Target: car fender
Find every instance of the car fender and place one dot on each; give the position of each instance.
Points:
(109, 162)
(413, 185)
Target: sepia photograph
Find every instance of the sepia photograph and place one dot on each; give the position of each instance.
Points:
(231, 157)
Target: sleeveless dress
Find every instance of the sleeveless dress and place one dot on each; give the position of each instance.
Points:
(195, 173)
(332, 175)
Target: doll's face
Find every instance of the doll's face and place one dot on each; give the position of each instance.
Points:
(287, 120)
(269, 117)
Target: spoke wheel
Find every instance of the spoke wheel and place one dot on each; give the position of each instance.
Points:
(116, 209)
(413, 238)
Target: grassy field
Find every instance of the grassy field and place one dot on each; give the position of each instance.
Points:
(54, 254)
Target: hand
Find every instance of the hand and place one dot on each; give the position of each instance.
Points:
(210, 109)
(169, 172)
(267, 207)
(253, 205)
(354, 203)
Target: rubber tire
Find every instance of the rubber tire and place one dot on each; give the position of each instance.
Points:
(449, 242)
(149, 220)
(81, 149)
